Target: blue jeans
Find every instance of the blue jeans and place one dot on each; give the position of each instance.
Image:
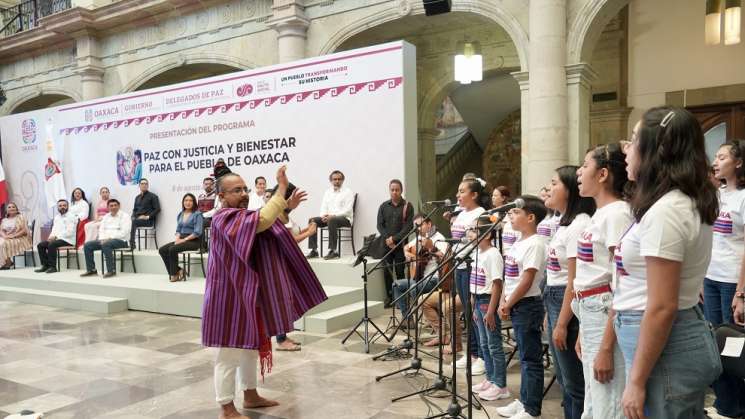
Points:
(491, 343)
(566, 363)
(107, 248)
(401, 285)
(527, 318)
(730, 391)
(463, 286)
(689, 362)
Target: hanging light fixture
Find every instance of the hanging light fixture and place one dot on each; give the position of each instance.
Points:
(468, 62)
(732, 14)
(713, 24)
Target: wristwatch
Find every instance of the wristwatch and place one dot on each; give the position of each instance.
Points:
(740, 294)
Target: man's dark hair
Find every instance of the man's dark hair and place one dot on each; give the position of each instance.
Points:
(398, 182)
(534, 205)
(208, 178)
(113, 201)
(258, 178)
(423, 217)
(337, 172)
(63, 200)
(222, 178)
(144, 180)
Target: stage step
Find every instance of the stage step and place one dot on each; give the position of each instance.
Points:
(341, 317)
(71, 300)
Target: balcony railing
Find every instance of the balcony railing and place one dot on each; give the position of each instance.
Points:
(26, 15)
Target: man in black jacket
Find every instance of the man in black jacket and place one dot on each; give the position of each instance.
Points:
(394, 221)
(145, 210)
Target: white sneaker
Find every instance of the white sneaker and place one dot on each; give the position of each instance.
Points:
(525, 415)
(461, 363)
(494, 392)
(713, 414)
(511, 409)
(478, 367)
(478, 388)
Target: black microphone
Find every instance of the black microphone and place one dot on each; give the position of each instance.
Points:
(450, 207)
(444, 202)
(517, 203)
(451, 241)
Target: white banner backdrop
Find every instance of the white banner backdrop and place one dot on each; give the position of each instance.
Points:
(353, 111)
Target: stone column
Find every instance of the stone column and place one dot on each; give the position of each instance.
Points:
(90, 68)
(427, 163)
(545, 148)
(523, 79)
(579, 98)
(291, 24)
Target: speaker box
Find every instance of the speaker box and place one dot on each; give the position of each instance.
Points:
(436, 7)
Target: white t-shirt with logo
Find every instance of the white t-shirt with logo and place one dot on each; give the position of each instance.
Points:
(527, 253)
(489, 268)
(563, 247)
(509, 236)
(671, 229)
(464, 221)
(547, 228)
(594, 264)
(729, 241)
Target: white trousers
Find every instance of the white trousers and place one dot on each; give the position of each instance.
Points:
(227, 361)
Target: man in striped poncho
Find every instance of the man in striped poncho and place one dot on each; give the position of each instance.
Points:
(258, 284)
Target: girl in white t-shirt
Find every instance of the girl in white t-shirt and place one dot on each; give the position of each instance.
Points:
(469, 196)
(728, 249)
(602, 177)
(670, 352)
(575, 212)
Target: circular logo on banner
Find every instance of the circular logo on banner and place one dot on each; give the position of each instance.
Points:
(244, 90)
(28, 131)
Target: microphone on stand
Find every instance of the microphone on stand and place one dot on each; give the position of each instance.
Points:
(443, 203)
(517, 203)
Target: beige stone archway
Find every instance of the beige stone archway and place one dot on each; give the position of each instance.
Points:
(224, 61)
(497, 13)
(587, 27)
(34, 99)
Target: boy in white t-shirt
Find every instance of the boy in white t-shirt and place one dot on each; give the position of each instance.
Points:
(486, 288)
(525, 267)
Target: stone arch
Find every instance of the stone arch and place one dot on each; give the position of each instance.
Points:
(587, 27)
(39, 99)
(490, 10)
(223, 61)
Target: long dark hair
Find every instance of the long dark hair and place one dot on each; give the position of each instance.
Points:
(737, 151)
(82, 195)
(611, 157)
(482, 199)
(193, 199)
(672, 155)
(575, 203)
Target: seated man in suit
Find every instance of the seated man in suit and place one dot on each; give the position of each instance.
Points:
(113, 233)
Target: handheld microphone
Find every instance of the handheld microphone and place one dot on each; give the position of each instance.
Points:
(517, 203)
(444, 202)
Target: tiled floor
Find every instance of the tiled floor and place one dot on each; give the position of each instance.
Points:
(138, 365)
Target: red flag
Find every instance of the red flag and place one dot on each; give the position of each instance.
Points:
(3, 186)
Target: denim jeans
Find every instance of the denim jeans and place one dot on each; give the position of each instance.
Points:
(730, 391)
(401, 285)
(463, 286)
(491, 343)
(689, 362)
(107, 248)
(601, 400)
(527, 318)
(566, 363)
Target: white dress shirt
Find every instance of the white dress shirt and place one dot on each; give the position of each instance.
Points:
(338, 203)
(255, 201)
(115, 227)
(64, 227)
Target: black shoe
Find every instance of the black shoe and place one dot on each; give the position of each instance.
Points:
(41, 269)
(89, 273)
(388, 303)
(51, 270)
(331, 255)
(312, 255)
(109, 274)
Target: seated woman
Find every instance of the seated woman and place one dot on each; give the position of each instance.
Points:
(190, 224)
(80, 209)
(102, 208)
(15, 238)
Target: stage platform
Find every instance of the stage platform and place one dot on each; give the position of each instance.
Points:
(149, 290)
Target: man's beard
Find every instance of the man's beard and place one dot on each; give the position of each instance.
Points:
(63, 211)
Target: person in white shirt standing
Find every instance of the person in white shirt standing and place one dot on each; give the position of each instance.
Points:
(670, 351)
(726, 267)
(602, 177)
(336, 211)
(563, 327)
(63, 234)
(257, 198)
(112, 234)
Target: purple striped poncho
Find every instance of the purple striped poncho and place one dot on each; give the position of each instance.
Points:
(252, 276)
